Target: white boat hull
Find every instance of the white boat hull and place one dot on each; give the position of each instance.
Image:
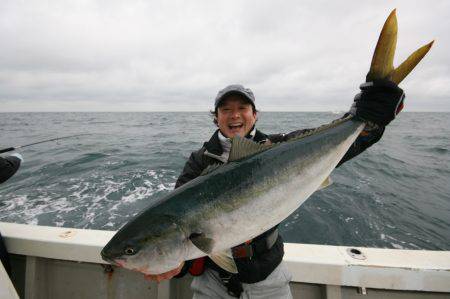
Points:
(52, 262)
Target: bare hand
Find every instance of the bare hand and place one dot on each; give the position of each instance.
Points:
(162, 276)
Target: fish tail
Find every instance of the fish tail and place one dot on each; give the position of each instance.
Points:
(382, 66)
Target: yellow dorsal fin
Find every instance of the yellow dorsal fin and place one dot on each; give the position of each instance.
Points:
(243, 147)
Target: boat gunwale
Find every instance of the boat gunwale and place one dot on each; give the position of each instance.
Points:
(395, 269)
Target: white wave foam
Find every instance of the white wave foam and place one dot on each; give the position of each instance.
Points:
(138, 194)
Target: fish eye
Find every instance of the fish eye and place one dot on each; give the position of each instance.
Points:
(129, 251)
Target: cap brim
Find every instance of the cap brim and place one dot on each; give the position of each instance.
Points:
(231, 92)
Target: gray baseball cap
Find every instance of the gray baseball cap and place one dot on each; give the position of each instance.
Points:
(234, 89)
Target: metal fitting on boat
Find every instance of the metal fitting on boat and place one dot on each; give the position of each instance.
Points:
(362, 291)
(356, 253)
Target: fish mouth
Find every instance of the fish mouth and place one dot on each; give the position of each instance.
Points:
(116, 262)
(105, 257)
(142, 269)
(108, 258)
(120, 262)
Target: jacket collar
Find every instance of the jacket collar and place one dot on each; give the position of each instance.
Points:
(213, 145)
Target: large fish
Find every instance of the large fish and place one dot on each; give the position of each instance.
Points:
(255, 190)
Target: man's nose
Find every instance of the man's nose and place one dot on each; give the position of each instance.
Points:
(235, 114)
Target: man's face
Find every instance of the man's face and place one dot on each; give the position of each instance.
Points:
(235, 116)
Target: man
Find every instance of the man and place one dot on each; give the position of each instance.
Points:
(261, 273)
(8, 167)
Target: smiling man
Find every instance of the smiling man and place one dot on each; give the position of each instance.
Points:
(261, 273)
(235, 112)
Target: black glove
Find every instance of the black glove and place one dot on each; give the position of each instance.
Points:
(378, 102)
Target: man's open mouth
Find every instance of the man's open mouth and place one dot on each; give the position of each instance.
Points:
(235, 126)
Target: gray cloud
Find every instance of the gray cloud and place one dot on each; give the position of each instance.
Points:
(176, 55)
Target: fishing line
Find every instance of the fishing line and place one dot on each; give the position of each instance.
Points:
(10, 149)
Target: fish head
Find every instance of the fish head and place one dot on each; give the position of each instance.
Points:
(151, 244)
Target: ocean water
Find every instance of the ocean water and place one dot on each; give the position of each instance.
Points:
(394, 195)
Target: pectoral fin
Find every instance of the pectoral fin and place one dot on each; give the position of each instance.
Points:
(201, 242)
(225, 261)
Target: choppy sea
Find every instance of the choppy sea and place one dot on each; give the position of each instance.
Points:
(394, 195)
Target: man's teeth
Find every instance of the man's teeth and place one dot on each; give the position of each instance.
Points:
(235, 126)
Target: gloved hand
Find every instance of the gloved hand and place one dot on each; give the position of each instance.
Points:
(18, 156)
(378, 102)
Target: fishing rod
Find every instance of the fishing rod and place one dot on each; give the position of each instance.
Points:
(10, 149)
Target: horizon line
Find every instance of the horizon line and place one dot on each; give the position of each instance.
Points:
(190, 111)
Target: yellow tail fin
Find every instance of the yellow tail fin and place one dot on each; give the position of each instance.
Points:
(382, 66)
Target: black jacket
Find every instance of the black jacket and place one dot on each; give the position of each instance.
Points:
(260, 266)
(8, 167)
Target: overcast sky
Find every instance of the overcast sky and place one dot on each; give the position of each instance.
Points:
(175, 55)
